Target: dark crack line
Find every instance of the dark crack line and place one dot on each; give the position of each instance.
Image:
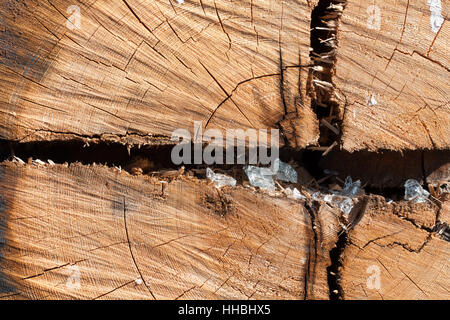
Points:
(115, 289)
(325, 19)
(334, 273)
(131, 251)
(282, 88)
(137, 17)
(311, 259)
(223, 27)
(409, 278)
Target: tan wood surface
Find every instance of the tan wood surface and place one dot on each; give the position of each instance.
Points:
(135, 71)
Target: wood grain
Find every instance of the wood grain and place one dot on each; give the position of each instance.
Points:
(190, 241)
(404, 66)
(136, 71)
(183, 241)
(394, 242)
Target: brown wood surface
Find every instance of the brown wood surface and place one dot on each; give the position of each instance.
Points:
(405, 66)
(189, 240)
(137, 70)
(395, 241)
(183, 241)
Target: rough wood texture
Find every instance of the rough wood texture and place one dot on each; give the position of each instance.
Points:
(135, 71)
(138, 69)
(395, 241)
(404, 66)
(188, 240)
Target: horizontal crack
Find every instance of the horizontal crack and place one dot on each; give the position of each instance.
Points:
(103, 137)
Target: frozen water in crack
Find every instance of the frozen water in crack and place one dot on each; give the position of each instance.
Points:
(328, 198)
(264, 177)
(17, 159)
(414, 192)
(342, 199)
(295, 194)
(317, 196)
(285, 172)
(260, 177)
(219, 179)
(346, 205)
(351, 188)
(38, 162)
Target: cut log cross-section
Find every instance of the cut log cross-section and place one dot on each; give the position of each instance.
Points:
(98, 232)
(136, 70)
(392, 71)
(366, 82)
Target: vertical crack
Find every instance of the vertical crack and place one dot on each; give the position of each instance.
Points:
(334, 270)
(324, 25)
(311, 262)
(131, 251)
(283, 97)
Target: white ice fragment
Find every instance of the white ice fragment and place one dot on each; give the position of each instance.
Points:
(351, 188)
(317, 196)
(297, 195)
(318, 68)
(294, 194)
(50, 162)
(414, 192)
(219, 179)
(17, 159)
(210, 174)
(372, 101)
(346, 205)
(337, 7)
(328, 198)
(260, 177)
(38, 162)
(436, 18)
(285, 172)
(180, 1)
